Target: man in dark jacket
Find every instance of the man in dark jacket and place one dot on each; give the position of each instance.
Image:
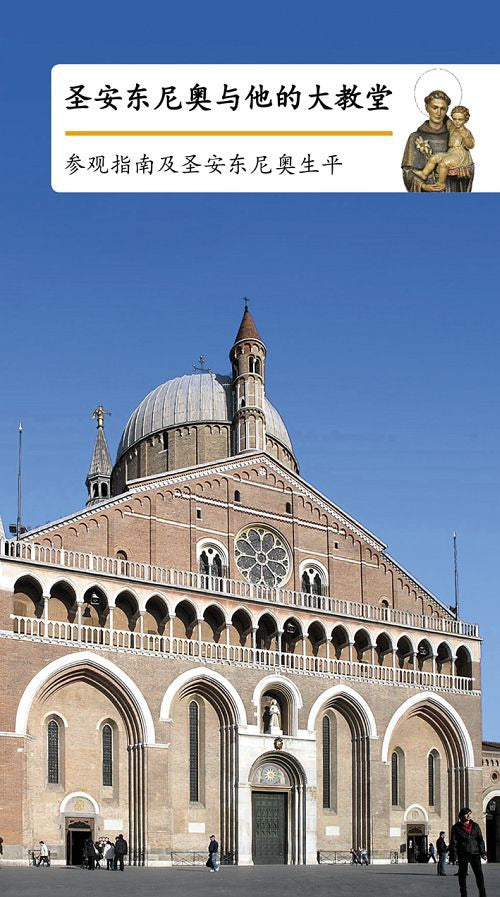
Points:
(213, 854)
(442, 850)
(467, 844)
(121, 850)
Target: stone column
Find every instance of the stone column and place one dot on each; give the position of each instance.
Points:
(111, 623)
(79, 603)
(199, 622)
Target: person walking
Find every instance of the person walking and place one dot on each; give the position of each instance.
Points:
(432, 853)
(98, 854)
(121, 850)
(467, 844)
(442, 850)
(109, 854)
(363, 854)
(44, 858)
(89, 854)
(354, 857)
(213, 854)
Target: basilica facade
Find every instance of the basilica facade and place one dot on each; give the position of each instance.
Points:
(211, 645)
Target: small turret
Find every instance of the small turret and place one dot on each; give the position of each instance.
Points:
(99, 475)
(248, 359)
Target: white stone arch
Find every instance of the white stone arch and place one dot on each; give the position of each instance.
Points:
(211, 676)
(219, 607)
(67, 581)
(345, 691)
(103, 720)
(41, 581)
(443, 641)
(188, 599)
(419, 807)
(71, 660)
(247, 610)
(267, 612)
(212, 543)
(409, 637)
(286, 685)
(362, 628)
(446, 708)
(384, 630)
(495, 792)
(318, 568)
(100, 588)
(156, 594)
(55, 714)
(65, 801)
(312, 562)
(118, 591)
(349, 628)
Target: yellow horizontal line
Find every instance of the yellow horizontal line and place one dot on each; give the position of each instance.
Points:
(228, 133)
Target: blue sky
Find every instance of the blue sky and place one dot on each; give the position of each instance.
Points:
(380, 311)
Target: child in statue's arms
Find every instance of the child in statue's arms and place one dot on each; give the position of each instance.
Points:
(457, 155)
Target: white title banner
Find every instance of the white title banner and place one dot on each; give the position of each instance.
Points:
(274, 128)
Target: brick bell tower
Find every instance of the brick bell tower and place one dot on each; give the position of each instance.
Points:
(248, 359)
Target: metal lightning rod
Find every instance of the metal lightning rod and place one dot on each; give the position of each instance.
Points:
(19, 480)
(455, 559)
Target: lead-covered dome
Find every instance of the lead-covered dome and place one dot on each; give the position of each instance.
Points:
(193, 398)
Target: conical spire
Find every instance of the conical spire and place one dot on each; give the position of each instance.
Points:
(247, 329)
(101, 460)
(99, 476)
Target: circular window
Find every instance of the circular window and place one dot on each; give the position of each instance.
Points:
(494, 776)
(262, 556)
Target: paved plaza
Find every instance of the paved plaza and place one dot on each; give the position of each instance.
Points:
(256, 881)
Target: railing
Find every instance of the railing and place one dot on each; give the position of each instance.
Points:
(37, 629)
(198, 858)
(345, 857)
(168, 577)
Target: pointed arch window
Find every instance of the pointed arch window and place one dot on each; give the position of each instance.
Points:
(107, 755)
(431, 778)
(53, 753)
(210, 563)
(327, 761)
(394, 779)
(194, 752)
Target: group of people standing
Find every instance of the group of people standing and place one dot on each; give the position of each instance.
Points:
(113, 853)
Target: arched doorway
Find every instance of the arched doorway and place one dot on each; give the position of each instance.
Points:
(77, 832)
(278, 785)
(417, 826)
(122, 700)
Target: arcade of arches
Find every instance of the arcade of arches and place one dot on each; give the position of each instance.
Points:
(201, 754)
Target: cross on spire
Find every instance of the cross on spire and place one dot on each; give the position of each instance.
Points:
(200, 368)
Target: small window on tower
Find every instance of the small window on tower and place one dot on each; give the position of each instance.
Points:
(288, 508)
(198, 513)
(104, 490)
(237, 496)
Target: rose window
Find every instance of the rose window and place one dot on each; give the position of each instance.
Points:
(262, 557)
